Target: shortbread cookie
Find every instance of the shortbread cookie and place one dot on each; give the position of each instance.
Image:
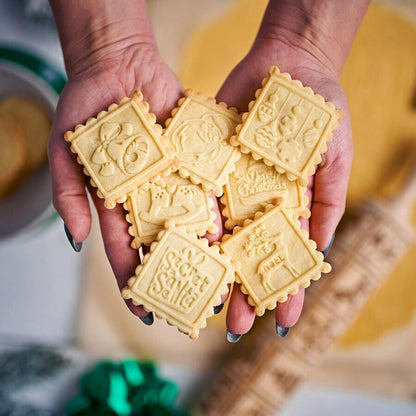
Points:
(273, 257)
(121, 149)
(288, 126)
(253, 185)
(200, 130)
(170, 199)
(35, 124)
(12, 153)
(181, 280)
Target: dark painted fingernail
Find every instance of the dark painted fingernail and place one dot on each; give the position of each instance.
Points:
(147, 319)
(326, 251)
(75, 245)
(282, 331)
(233, 338)
(218, 308)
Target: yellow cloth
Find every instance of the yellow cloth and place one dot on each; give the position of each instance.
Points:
(379, 81)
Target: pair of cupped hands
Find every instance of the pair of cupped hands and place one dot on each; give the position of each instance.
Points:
(116, 71)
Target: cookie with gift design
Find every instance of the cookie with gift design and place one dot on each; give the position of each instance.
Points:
(288, 126)
(121, 149)
(273, 257)
(199, 131)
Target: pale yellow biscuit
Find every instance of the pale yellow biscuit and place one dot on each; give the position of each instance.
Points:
(273, 257)
(200, 130)
(35, 124)
(253, 185)
(121, 149)
(288, 126)
(171, 199)
(12, 153)
(181, 280)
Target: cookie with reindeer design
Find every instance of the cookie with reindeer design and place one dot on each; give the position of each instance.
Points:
(273, 257)
(181, 280)
(288, 126)
(172, 198)
(121, 149)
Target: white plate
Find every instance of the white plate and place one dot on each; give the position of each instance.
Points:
(30, 206)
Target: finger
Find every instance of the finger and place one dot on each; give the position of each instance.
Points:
(123, 258)
(331, 178)
(330, 187)
(68, 181)
(215, 236)
(219, 308)
(287, 313)
(240, 315)
(68, 189)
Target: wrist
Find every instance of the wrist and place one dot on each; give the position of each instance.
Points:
(99, 38)
(317, 31)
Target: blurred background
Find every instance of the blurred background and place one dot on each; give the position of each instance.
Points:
(60, 312)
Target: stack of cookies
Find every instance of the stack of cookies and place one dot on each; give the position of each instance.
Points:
(24, 132)
(258, 162)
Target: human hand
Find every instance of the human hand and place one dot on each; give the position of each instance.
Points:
(314, 66)
(93, 86)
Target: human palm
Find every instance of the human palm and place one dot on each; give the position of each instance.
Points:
(327, 188)
(88, 92)
(95, 88)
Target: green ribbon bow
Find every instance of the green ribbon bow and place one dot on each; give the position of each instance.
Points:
(127, 388)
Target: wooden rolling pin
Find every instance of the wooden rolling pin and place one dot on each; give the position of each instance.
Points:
(261, 372)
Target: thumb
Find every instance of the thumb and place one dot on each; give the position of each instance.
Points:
(330, 185)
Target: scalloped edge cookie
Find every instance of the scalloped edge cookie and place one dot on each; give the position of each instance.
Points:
(230, 196)
(139, 238)
(208, 184)
(162, 167)
(139, 296)
(232, 221)
(321, 147)
(291, 289)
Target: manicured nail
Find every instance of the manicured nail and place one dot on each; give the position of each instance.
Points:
(147, 319)
(75, 245)
(282, 331)
(218, 308)
(326, 251)
(233, 338)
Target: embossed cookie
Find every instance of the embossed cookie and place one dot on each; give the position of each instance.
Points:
(121, 149)
(288, 126)
(172, 198)
(273, 257)
(181, 280)
(200, 130)
(253, 185)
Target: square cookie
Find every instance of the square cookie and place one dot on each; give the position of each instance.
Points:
(121, 149)
(253, 185)
(199, 131)
(273, 257)
(288, 126)
(181, 280)
(172, 198)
